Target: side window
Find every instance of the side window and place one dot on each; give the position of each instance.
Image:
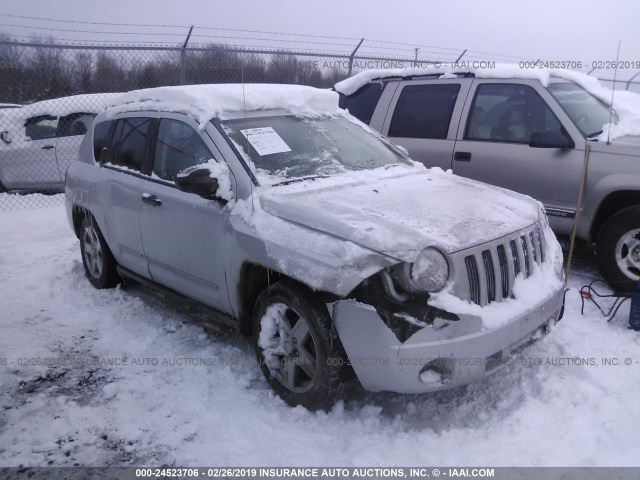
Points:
(508, 113)
(100, 138)
(129, 146)
(424, 111)
(74, 124)
(362, 103)
(41, 127)
(178, 146)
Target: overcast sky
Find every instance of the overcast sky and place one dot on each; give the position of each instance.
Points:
(581, 30)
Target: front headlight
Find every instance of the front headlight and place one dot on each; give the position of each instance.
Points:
(429, 272)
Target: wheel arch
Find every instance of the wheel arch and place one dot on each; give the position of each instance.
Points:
(612, 203)
(254, 279)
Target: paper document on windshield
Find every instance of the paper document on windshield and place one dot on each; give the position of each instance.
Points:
(265, 140)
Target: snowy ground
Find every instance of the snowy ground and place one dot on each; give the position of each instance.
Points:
(224, 413)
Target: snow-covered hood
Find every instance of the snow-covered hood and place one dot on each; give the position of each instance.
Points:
(401, 213)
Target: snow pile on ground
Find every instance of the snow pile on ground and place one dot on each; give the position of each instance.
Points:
(204, 102)
(188, 396)
(626, 104)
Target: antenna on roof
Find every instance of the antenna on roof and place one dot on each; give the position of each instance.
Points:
(244, 103)
(613, 91)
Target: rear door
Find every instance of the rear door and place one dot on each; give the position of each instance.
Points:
(493, 145)
(125, 163)
(423, 118)
(183, 234)
(30, 162)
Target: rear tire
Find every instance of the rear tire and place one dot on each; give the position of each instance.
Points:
(99, 264)
(618, 249)
(297, 348)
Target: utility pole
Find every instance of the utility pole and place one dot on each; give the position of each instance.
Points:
(183, 57)
(415, 58)
(353, 55)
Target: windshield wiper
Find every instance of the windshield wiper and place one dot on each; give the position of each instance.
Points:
(300, 179)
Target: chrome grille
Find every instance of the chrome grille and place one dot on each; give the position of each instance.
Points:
(491, 268)
(474, 279)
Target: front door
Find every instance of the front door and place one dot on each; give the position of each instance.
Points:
(183, 234)
(493, 146)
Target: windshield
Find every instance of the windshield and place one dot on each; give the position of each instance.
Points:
(587, 112)
(283, 148)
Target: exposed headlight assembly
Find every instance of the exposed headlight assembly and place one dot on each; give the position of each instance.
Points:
(429, 272)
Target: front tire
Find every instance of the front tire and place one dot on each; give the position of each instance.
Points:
(297, 348)
(619, 249)
(99, 264)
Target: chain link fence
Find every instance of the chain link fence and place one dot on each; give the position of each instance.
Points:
(50, 92)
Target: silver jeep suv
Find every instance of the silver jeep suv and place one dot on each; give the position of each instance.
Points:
(314, 235)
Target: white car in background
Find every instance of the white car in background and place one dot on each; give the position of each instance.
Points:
(38, 141)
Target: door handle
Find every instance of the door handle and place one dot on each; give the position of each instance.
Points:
(48, 147)
(462, 156)
(151, 199)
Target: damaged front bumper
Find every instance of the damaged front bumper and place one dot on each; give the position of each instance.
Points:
(440, 356)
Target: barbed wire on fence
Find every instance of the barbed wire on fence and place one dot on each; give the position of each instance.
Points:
(45, 133)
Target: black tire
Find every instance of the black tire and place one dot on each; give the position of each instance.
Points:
(293, 303)
(99, 264)
(615, 259)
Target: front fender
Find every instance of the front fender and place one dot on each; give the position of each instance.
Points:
(316, 259)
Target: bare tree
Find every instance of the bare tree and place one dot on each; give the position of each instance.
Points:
(84, 70)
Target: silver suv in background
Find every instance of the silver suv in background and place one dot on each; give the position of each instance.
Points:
(521, 130)
(39, 140)
(313, 234)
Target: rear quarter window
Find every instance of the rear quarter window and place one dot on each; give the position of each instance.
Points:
(100, 138)
(362, 103)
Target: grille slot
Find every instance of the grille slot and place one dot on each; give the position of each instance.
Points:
(504, 270)
(515, 258)
(493, 267)
(534, 248)
(490, 275)
(474, 278)
(541, 244)
(525, 255)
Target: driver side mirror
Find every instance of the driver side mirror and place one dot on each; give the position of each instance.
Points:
(4, 136)
(551, 139)
(198, 180)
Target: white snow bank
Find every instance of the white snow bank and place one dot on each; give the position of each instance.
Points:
(626, 104)
(204, 102)
(193, 414)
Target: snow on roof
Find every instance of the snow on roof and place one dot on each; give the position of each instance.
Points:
(204, 102)
(626, 104)
(12, 120)
(87, 103)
